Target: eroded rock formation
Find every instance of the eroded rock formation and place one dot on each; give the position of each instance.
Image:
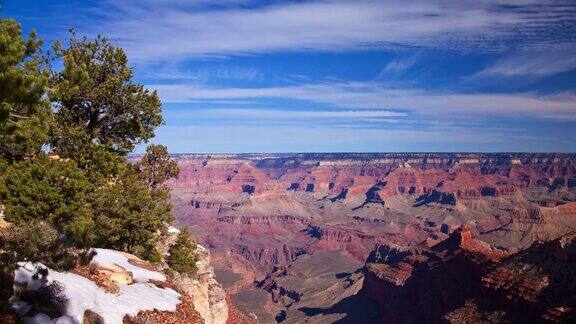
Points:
(257, 212)
(465, 280)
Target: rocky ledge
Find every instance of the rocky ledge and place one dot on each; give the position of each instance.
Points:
(117, 287)
(462, 280)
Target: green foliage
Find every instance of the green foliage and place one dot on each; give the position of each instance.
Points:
(92, 195)
(128, 216)
(122, 213)
(156, 166)
(92, 115)
(3, 165)
(24, 112)
(81, 231)
(38, 241)
(21, 81)
(100, 165)
(182, 255)
(45, 189)
(30, 241)
(154, 256)
(97, 101)
(28, 137)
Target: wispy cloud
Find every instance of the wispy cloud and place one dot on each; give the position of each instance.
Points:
(174, 72)
(268, 114)
(532, 63)
(397, 66)
(144, 27)
(334, 75)
(369, 95)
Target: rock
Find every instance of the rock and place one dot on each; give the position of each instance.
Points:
(565, 248)
(463, 280)
(235, 316)
(537, 282)
(4, 225)
(426, 283)
(115, 274)
(208, 296)
(258, 211)
(92, 318)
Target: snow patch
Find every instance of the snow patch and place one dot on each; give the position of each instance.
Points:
(105, 257)
(84, 294)
(173, 230)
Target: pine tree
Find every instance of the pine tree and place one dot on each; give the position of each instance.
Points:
(96, 100)
(90, 196)
(24, 111)
(182, 255)
(128, 215)
(156, 166)
(45, 190)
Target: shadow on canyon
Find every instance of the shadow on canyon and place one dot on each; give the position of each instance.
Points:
(357, 309)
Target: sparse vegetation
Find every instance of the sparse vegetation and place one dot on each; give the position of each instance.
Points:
(49, 299)
(154, 256)
(182, 255)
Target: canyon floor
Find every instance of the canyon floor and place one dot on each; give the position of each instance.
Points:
(291, 234)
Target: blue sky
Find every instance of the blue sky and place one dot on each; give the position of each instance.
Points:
(341, 76)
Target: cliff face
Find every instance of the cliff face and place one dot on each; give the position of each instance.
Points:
(207, 295)
(464, 175)
(256, 212)
(415, 284)
(538, 282)
(320, 288)
(464, 280)
(354, 201)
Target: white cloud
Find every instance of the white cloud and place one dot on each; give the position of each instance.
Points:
(178, 72)
(175, 31)
(397, 66)
(368, 95)
(532, 63)
(268, 114)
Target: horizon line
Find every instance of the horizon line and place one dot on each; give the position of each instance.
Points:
(367, 152)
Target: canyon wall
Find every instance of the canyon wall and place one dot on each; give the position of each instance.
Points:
(258, 212)
(462, 280)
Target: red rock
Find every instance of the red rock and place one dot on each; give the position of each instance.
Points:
(461, 279)
(256, 212)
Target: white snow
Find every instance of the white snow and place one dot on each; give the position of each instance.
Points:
(84, 294)
(173, 230)
(106, 257)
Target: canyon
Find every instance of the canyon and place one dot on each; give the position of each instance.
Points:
(348, 237)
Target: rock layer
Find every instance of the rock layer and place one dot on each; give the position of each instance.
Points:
(207, 295)
(464, 280)
(257, 212)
